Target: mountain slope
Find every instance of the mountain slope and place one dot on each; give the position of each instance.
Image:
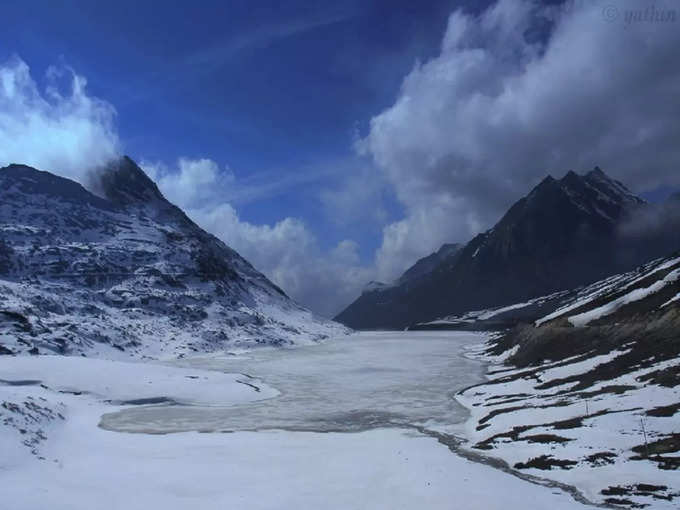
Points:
(563, 234)
(426, 265)
(590, 394)
(125, 272)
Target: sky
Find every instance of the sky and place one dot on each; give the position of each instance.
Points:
(335, 143)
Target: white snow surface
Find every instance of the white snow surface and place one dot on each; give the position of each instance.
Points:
(122, 381)
(75, 464)
(481, 315)
(609, 286)
(638, 294)
(607, 423)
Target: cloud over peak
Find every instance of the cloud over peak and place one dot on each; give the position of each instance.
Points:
(68, 133)
(517, 92)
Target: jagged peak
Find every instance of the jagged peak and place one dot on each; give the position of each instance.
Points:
(123, 182)
(548, 179)
(373, 286)
(611, 187)
(596, 172)
(548, 182)
(572, 179)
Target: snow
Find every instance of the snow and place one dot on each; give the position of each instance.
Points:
(122, 381)
(611, 423)
(85, 466)
(610, 307)
(379, 469)
(613, 284)
(481, 315)
(82, 274)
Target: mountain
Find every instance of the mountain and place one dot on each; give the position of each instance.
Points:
(420, 269)
(126, 272)
(589, 394)
(427, 264)
(563, 234)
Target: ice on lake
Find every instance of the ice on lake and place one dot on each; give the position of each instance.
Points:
(365, 381)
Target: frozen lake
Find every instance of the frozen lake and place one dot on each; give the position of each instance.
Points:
(362, 382)
(333, 426)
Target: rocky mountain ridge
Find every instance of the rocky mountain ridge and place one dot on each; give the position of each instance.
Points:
(563, 234)
(125, 273)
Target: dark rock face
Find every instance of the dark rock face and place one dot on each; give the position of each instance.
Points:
(6, 258)
(427, 264)
(563, 234)
(128, 270)
(124, 183)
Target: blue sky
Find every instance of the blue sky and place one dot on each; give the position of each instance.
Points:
(269, 88)
(334, 143)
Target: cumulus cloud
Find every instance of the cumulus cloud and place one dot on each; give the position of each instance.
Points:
(358, 197)
(517, 92)
(70, 132)
(67, 132)
(289, 254)
(287, 251)
(192, 183)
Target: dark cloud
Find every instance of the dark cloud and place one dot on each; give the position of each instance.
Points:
(517, 92)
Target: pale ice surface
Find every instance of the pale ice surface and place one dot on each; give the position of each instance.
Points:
(338, 435)
(360, 382)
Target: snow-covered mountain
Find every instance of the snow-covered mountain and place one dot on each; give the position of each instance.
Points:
(563, 234)
(589, 394)
(124, 272)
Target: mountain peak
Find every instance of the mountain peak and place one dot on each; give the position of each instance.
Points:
(548, 182)
(127, 261)
(373, 286)
(596, 172)
(123, 182)
(572, 179)
(548, 179)
(426, 264)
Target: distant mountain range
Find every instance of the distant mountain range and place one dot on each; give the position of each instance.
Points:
(125, 272)
(563, 234)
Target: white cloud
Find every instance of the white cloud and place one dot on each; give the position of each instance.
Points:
(287, 251)
(289, 254)
(516, 92)
(70, 133)
(503, 104)
(67, 134)
(193, 183)
(358, 197)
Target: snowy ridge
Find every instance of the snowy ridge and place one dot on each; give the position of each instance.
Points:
(617, 291)
(126, 273)
(496, 316)
(601, 438)
(525, 256)
(589, 395)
